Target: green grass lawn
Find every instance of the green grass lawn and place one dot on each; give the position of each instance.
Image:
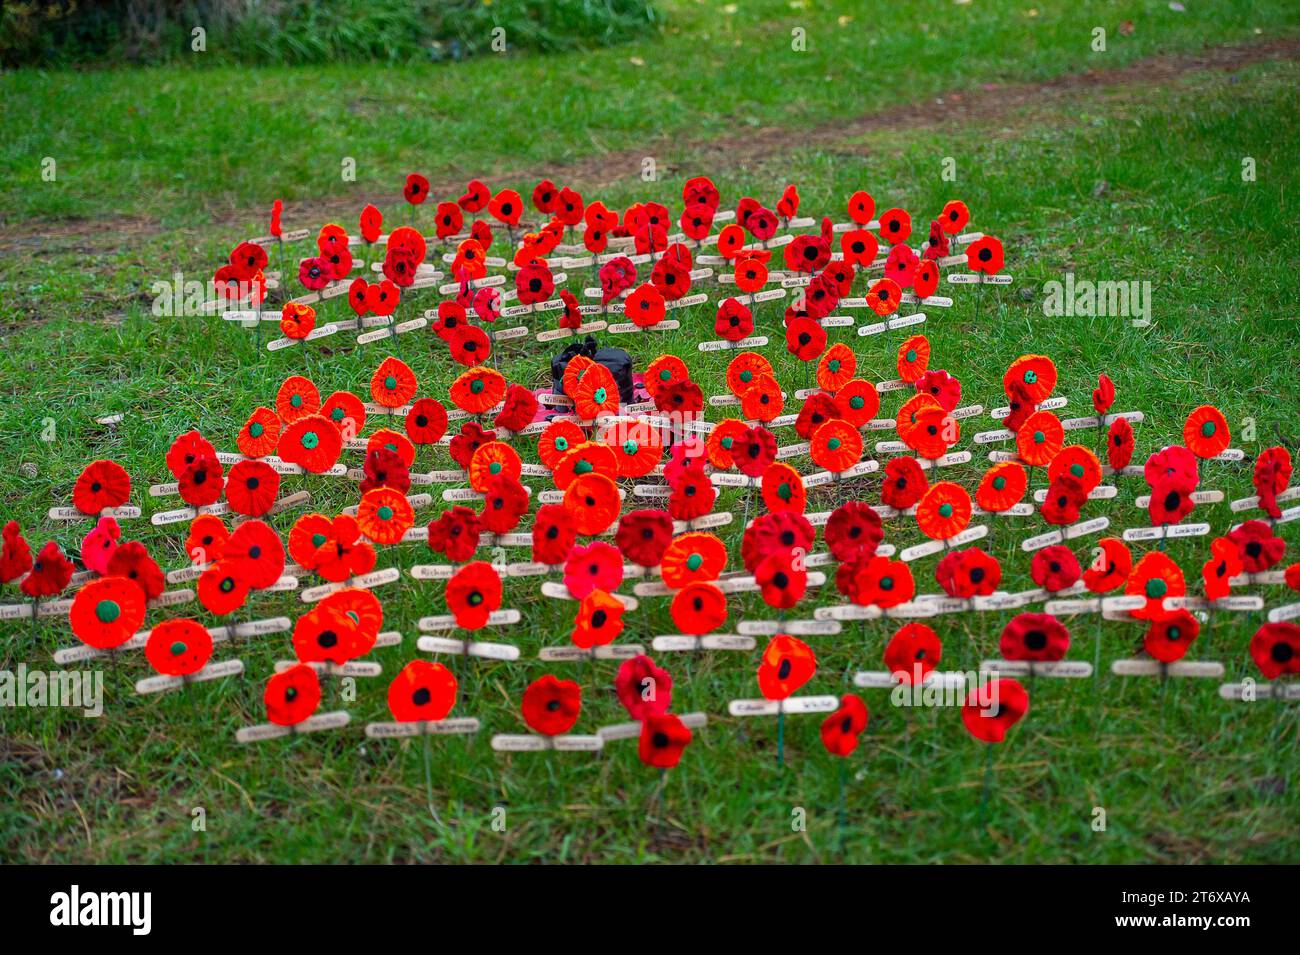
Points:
(1132, 183)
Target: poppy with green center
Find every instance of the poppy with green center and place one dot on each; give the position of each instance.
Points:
(1035, 637)
(551, 706)
(944, 510)
(474, 594)
(1260, 549)
(1275, 648)
(663, 738)
(644, 689)
(1055, 568)
(222, 588)
(782, 579)
(325, 635)
(599, 620)
(840, 730)
(422, 692)
(107, 612)
(883, 583)
(1155, 577)
(644, 535)
(455, 534)
(985, 256)
(773, 532)
(178, 647)
(292, 696)
(1007, 703)
(260, 434)
(788, 663)
(782, 489)
(1169, 639)
(312, 442)
(1218, 571)
(1110, 566)
(912, 652)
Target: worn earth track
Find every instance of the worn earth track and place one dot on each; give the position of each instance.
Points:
(982, 104)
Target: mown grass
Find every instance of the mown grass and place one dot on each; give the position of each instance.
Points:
(182, 143)
(1182, 775)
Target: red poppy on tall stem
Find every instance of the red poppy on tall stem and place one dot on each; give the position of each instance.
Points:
(1169, 639)
(1260, 549)
(1037, 637)
(1119, 444)
(474, 594)
(1055, 568)
(292, 696)
(912, 652)
(840, 730)
(107, 612)
(251, 487)
(416, 189)
(50, 574)
(1275, 648)
(787, 664)
(985, 256)
(663, 738)
(1007, 703)
(422, 692)
(643, 688)
(178, 647)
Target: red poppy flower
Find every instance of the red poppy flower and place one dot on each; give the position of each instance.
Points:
(599, 620)
(1175, 462)
(384, 467)
(805, 339)
(343, 554)
(773, 533)
(296, 398)
(311, 442)
(662, 740)
(944, 510)
(1037, 637)
(416, 189)
(451, 316)
(644, 689)
(506, 207)
(1055, 568)
(1259, 548)
(861, 207)
(327, 635)
(132, 561)
(519, 409)
(455, 534)
(1171, 501)
(1292, 576)
(859, 247)
(853, 529)
(904, 483)
(644, 535)
(185, 450)
(505, 502)
(292, 696)
(895, 226)
(699, 608)
(201, 483)
(422, 692)
(734, 321)
(475, 198)
(1110, 568)
(788, 663)
(1119, 444)
(50, 573)
(1206, 432)
(901, 265)
(692, 495)
(251, 487)
(101, 485)
(1275, 648)
(954, 217)
(840, 730)
(15, 554)
(1008, 704)
(1219, 570)
(260, 434)
(1155, 577)
(474, 594)
(968, 573)
(782, 579)
(553, 534)
(912, 652)
(595, 566)
(256, 552)
(883, 583)
(1271, 477)
(393, 384)
(1103, 396)
(222, 588)
(471, 437)
(107, 612)
(469, 345)
(940, 386)
(346, 411)
(551, 706)
(178, 647)
(1040, 438)
(1169, 639)
(207, 539)
(985, 255)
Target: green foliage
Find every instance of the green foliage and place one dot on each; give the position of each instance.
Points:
(48, 32)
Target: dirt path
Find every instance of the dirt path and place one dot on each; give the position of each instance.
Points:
(980, 104)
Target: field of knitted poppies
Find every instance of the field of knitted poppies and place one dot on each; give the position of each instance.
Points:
(884, 491)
